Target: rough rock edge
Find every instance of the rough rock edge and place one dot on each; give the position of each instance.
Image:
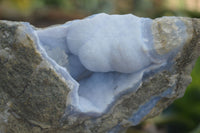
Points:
(34, 93)
(118, 115)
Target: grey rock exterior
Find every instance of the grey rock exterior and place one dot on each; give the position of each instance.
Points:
(33, 96)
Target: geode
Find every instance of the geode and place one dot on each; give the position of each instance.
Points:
(100, 74)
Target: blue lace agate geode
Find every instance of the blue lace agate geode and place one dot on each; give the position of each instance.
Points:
(100, 74)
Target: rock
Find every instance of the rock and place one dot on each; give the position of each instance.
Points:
(39, 90)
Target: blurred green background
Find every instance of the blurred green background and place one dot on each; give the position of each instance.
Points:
(183, 116)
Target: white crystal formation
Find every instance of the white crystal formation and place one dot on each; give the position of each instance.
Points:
(106, 56)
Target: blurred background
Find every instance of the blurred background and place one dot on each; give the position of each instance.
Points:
(183, 116)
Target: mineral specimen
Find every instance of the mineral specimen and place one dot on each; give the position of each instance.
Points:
(100, 74)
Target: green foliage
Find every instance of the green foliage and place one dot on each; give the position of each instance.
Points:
(196, 76)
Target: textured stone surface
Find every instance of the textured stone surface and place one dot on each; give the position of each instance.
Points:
(33, 96)
(29, 88)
